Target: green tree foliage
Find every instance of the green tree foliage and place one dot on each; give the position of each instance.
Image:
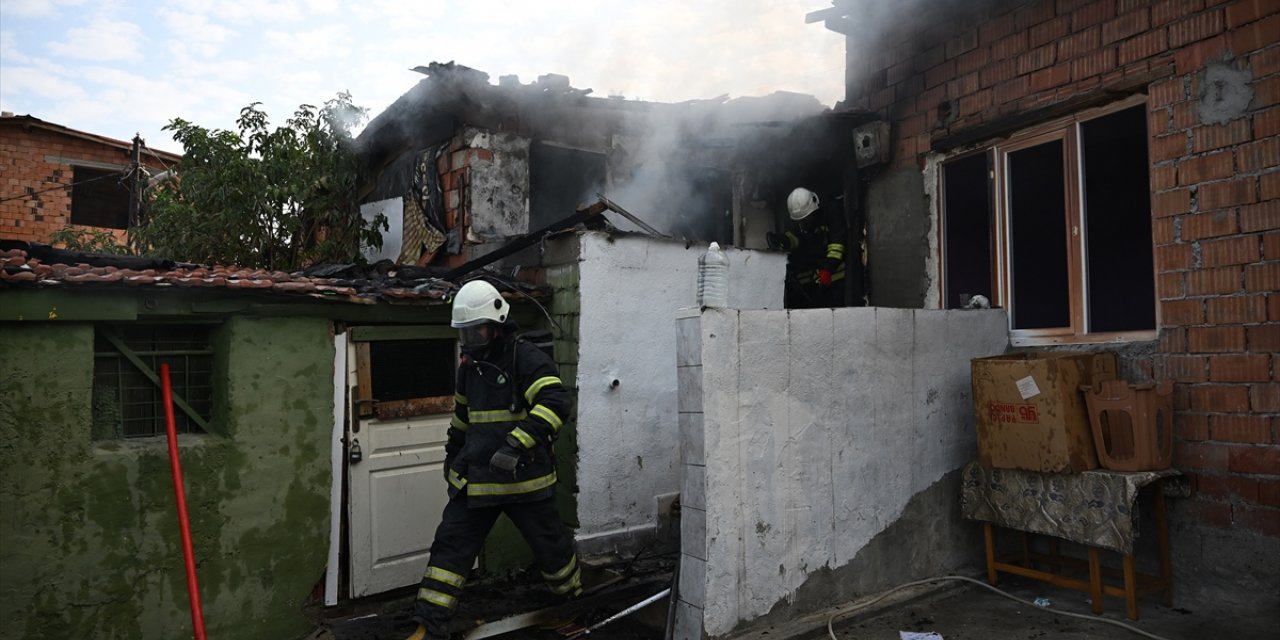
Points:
(88, 240)
(272, 199)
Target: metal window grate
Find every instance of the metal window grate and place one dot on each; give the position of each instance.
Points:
(126, 403)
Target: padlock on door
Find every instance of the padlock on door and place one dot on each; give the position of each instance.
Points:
(355, 454)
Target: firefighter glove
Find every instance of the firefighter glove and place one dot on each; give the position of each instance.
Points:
(824, 278)
(775, 241)
(507, 458)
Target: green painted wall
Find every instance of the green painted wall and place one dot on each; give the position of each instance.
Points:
(89, 543)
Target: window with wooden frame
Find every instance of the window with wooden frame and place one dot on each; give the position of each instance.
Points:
(1054, 225)
(127, 396)
(403, 372)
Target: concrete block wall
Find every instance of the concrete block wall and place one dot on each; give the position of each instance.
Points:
(1211, 70)
(805, 434)
(565, 309)
(629, 458)
(34, 161)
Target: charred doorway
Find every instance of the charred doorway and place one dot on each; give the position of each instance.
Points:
(705, 213)
(560, 179)
(816, 154)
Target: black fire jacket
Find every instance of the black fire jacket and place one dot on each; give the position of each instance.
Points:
(519, 393)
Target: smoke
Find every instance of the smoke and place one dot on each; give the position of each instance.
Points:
(880, 30)
(674, 166)
(676, 171)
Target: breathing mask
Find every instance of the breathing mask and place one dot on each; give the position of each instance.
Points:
(478, 341)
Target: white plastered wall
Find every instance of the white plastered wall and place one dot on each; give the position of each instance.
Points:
(809, 432)
(628, 436)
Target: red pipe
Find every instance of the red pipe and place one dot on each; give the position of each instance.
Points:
(193, 589)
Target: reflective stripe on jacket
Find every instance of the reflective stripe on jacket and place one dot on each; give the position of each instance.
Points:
(519, 394)
(817, 238)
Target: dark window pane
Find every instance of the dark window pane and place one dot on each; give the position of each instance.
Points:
(405, 369)
(1117, 212)
(1038, 238)
(99, 198)
(967, 218)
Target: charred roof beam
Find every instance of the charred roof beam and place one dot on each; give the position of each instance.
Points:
(835, 18)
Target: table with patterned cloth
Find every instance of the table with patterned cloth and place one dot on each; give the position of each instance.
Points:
(1098, 509)
(1095, 508)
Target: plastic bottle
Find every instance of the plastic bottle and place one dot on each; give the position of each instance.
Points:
(713, 278)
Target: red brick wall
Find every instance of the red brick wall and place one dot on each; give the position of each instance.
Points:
(23, 153)
(1215, 188)
(455, 177)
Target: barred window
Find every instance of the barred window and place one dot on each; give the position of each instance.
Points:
(127, 397)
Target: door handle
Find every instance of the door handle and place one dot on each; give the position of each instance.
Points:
(364, 409)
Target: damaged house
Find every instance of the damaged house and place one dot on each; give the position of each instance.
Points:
(316, 402)
(468, 169)
(802, 445)
(1102, 173)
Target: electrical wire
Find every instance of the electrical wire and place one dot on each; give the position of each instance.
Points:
(831, 621)
(516, 288)
(121, 175)
(156, 156)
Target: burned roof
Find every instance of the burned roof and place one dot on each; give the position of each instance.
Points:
(551, 108)
(33, 265)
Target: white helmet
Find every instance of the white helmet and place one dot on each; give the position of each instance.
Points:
(801, 203)
(478, 302)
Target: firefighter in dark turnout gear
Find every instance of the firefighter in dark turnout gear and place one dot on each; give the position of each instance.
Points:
(815, 242)
(509, 407)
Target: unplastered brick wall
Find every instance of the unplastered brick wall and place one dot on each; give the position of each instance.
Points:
(484, 179)
(454, 169)
(34, 162)
(1211, 71)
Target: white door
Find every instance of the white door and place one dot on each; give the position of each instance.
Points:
(397, 489)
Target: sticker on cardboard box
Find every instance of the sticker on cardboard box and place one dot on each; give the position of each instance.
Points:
(1010, 413)
(1027, 388)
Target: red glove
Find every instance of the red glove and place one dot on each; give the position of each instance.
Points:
(824, 277)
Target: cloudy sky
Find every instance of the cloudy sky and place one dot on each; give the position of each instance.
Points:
(115, 68)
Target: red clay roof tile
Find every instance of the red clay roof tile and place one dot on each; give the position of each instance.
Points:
(359, 286)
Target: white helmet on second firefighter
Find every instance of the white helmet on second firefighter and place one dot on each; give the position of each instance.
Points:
(801, 203)
(478, 302)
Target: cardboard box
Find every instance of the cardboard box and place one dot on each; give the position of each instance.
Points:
(1030, 412)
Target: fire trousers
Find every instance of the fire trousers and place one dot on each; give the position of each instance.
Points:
(459, 539)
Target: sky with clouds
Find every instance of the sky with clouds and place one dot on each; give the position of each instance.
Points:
(115, 68)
